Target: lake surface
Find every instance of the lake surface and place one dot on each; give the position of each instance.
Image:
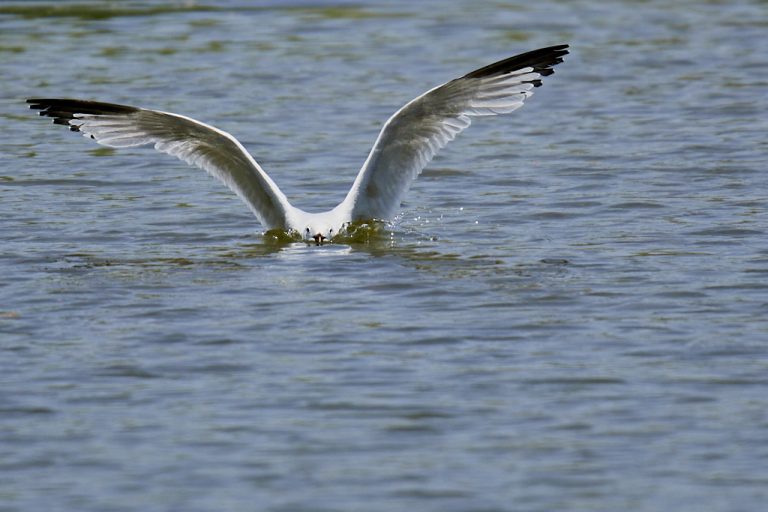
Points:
(570, 313)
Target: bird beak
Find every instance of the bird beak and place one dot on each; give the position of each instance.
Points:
(319, 238)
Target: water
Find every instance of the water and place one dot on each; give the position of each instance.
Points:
(569, 314)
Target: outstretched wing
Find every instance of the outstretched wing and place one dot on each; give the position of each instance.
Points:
(195, 143)
(416, 132)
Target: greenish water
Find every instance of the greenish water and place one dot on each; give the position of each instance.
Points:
(568, 314)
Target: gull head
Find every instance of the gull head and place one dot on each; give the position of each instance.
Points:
(318, 227)
(320, 232)
(318, 236)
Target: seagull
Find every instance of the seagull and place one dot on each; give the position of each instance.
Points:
(407, 142)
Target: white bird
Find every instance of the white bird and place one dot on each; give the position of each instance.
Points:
(407, 142)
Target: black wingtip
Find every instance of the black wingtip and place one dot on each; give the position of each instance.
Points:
(64, 110)
(46, 105)
(541, 60)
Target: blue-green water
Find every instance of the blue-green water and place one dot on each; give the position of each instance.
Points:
(569, 314)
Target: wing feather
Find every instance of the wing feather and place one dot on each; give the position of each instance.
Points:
(416, 132)
(191, 141)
